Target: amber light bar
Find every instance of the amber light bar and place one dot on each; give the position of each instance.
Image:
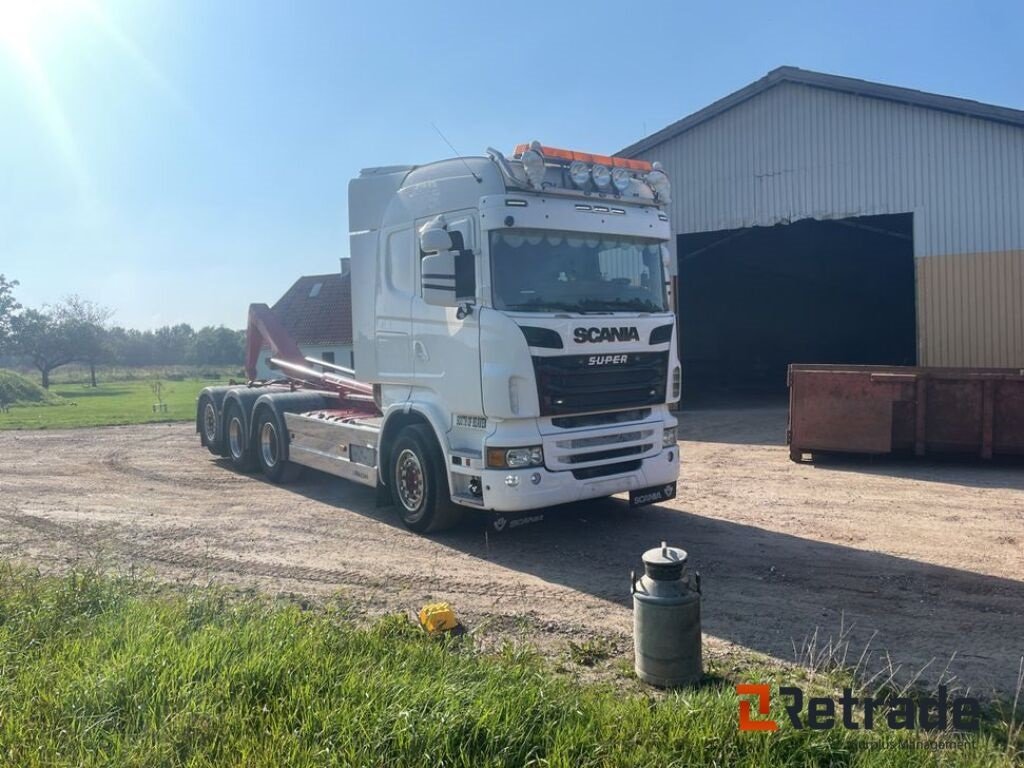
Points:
(569, 155)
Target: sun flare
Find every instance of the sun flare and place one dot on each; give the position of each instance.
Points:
(22, 20)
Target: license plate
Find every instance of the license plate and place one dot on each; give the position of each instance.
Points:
(653, 495)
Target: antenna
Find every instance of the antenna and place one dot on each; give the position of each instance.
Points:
(457, 153)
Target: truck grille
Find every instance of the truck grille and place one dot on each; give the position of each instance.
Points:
(608, 469)
(606, 445)
(576, 384)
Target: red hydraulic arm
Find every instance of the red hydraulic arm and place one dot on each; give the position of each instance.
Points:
(265, 327)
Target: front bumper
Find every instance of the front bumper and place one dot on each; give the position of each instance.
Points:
(562, 487)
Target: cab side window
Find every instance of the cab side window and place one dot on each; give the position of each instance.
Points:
(398, 268)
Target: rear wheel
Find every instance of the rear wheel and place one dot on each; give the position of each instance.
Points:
(209, 426)
(271, 448)
(239, 446)
(419, 483)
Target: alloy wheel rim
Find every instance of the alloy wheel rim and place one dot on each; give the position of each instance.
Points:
(410, 481)
(210, 422)
(235, 437)
(268, 444)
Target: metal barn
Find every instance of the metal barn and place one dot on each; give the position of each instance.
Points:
(823, 219)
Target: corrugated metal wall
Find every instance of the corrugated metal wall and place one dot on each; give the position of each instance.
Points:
(797, 151)
(970, 309)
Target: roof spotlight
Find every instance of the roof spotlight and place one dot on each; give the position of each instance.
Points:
(533, 164)
(579, 172)
(621, 178)
(658, 181)
(602, 176)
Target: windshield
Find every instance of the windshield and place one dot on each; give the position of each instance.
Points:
(537, 270)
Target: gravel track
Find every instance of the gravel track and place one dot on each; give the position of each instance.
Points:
(927, 558)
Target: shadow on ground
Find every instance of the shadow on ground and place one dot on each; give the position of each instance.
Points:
(763, 589)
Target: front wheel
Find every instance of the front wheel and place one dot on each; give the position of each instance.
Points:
(419, 483)
(271, 449)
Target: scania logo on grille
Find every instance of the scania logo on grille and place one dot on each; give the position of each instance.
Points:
(595, 335)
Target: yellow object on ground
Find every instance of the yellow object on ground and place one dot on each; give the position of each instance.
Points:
(438, 617)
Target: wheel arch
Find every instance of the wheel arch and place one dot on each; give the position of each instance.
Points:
(395, 420)
(245, 399)
(216, 396)
(280, 403)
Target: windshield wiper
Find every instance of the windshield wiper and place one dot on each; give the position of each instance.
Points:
(619, 305)
(544, 306)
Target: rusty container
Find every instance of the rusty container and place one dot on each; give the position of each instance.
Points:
(905, 410)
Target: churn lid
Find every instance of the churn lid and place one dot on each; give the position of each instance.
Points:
(664, 562)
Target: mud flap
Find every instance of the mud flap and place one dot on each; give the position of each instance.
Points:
(384, 497)
(499, 522)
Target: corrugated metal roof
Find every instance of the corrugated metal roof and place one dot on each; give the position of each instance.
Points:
(835, 83)
(318, 315)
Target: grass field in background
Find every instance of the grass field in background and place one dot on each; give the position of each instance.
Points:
(104, 671)
(112, 402)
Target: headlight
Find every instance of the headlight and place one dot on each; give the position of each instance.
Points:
(579, 173)
(601, 175)
(658, 181)
(533, 164)
(515, 458)
(621, 178)
(668, 437)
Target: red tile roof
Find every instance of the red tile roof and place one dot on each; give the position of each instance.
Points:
(325, 318)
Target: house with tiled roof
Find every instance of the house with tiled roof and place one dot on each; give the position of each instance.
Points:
(317, 312)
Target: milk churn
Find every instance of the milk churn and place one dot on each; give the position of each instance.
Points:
(666, 619)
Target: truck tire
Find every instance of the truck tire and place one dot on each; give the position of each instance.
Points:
(239, 447)
(210, 433)
(271, 446)
(419, 483)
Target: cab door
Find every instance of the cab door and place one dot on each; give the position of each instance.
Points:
(393, 319)
(445, 347)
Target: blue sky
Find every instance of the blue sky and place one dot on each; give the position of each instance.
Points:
(177, 159)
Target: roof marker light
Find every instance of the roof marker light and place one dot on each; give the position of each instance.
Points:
(601, 175)
(551, 154)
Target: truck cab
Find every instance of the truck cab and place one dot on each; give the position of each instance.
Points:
(526, 319)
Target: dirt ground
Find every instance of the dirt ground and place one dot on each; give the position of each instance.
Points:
(927, 557)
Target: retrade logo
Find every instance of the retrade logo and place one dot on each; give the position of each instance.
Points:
(821, 712)
(596, 335)
(764, 702)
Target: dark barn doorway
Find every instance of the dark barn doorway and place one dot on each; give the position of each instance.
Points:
(754, 300)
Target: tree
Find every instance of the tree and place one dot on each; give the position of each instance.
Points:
(220, 345)
(44, 339)
(8, 306)
(171, 344)
(86, 323)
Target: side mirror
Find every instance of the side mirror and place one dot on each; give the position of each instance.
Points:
(437, 276)
(434, 239)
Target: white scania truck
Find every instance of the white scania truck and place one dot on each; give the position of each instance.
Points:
(514, 343)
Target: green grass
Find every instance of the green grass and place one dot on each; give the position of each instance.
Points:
(100, 671)
(115, 402)
(16, 389)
